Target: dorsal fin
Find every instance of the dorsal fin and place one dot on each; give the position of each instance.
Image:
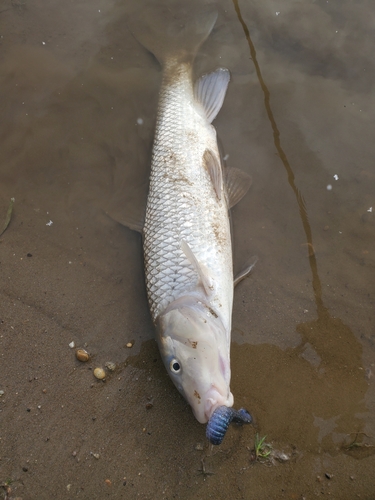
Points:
(209, 91)
(128, 207)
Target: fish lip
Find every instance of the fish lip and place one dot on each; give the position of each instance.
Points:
(214, 399)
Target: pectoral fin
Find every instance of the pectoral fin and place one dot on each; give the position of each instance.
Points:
(212, 163)
(238, 183)
(202, 272)
(245, 271)
(210, 91)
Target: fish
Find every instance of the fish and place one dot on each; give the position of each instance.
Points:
(187, 241)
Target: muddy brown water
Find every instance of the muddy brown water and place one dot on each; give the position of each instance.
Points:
(78, 106)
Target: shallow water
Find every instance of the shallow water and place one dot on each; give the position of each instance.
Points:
(79, 98)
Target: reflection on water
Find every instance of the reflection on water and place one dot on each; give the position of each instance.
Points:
(78, 109)
(336, 351)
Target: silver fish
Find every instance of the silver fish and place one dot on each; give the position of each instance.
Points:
(186, 234)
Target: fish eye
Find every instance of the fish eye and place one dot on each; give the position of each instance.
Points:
(175, 366)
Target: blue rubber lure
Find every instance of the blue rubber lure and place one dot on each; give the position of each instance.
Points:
(220, 420)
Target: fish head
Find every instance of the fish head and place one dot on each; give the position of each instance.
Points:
(194, 347)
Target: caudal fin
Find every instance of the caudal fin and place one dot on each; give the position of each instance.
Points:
(173, 33)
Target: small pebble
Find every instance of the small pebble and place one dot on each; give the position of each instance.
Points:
(95, 455)
(99, 373)
(108, 482)
(199, 447)
(72, 344)
(74, 453)
(82, 355)
(129, 345)
(110, 365)
(2, 393)
(149, 406)
(328, 476)
(282, 457)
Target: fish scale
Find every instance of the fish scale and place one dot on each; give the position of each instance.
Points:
(182, 204)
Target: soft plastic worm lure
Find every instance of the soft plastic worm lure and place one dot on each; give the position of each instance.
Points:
(221, 419)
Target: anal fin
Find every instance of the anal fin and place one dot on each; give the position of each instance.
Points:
(210, 90)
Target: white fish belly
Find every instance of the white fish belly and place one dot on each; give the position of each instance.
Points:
(182, 205)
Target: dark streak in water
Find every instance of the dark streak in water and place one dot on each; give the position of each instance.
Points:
(330, 337)
(317, 286)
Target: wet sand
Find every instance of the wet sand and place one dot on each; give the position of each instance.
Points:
(79, 99)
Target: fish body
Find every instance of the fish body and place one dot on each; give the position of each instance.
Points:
(187, 246)
(182, 204)
(186, 234)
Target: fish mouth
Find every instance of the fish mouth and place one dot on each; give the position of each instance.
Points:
(220, 420)
(217, 397)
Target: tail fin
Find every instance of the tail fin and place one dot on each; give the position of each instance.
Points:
(173, 33)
